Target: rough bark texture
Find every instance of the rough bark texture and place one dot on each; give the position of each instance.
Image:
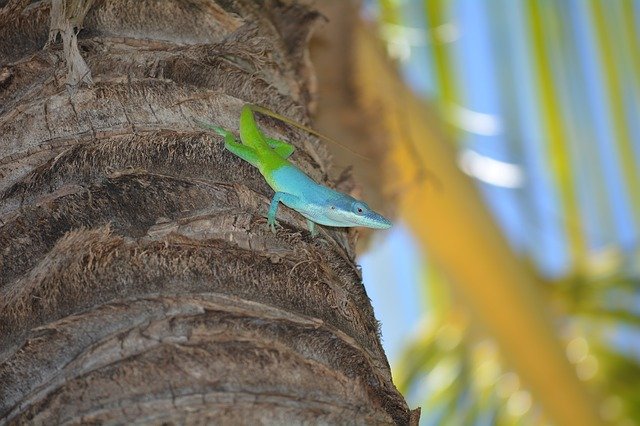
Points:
(138, 278)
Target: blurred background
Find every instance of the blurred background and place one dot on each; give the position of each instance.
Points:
(509, 289)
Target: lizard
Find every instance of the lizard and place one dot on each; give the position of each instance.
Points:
(294, 188)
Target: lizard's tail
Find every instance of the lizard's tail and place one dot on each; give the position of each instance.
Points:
(219, 130)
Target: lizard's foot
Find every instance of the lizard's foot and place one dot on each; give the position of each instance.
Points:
(312, 228)
(272, 224)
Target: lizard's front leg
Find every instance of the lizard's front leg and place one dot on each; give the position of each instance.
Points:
(290, 200)
(273, 209)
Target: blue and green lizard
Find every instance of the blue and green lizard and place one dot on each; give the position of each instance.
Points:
(293, 188)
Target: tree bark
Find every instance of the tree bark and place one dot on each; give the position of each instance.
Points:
(138, 279)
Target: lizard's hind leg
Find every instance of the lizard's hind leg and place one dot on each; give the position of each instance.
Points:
(281, 148)
(248, 154)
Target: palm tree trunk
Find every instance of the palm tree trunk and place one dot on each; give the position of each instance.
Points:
(138, 279)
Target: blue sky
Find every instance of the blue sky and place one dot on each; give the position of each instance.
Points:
(490, 52)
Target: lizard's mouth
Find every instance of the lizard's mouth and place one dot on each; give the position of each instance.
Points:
(369, 219)
(376, 221)
(341, 218)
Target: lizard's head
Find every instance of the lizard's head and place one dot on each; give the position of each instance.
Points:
(352, 212)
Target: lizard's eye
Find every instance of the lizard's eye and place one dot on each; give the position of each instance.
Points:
(333, 207)
(359, 208)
